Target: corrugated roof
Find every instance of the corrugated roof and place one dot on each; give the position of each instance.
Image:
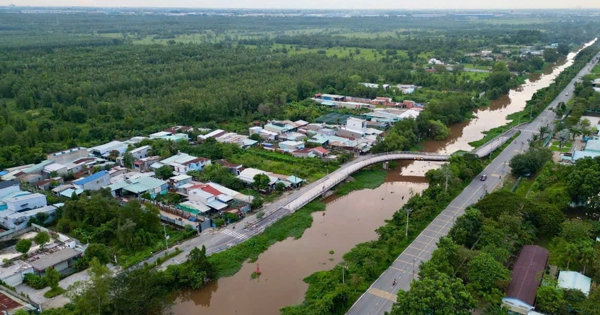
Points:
(54, 259)
(527, 273)
(90, 178)
(574, 280)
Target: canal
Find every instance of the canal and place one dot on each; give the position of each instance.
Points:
(347, 221)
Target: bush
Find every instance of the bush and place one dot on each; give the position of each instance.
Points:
(54, 292)
(34, 281)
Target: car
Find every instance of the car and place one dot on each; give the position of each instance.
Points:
(483, 178)
(567, 94)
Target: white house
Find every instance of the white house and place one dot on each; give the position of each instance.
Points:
(291, 145)
(141, 152)
(434, 61)
(25, 200)
(247, 176)
(19, 220)
(183, 163)
(95, 181)
(105, 150)
(574, 280)
(356, 124)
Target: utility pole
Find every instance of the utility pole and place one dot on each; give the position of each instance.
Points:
(166, 237)
(408, 211)
(413, 269)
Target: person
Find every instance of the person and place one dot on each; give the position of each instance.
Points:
(394, 282)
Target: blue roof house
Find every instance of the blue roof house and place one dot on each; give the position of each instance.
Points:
(96, 181)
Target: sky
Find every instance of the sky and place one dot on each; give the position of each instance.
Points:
(320, 4)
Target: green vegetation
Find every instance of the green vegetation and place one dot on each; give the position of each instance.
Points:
(228, 262)
(367, 178)
(23, 246)
(365, 262)
(561, 146)
(528, 163)
(54, 292)
(475, 256)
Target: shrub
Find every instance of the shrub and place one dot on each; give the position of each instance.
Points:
(34, 281)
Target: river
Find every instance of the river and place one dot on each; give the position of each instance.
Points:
(347, 221)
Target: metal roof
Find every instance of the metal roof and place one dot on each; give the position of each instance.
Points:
(93, 177)
(55, 258)
(574, 280)
(527, 273)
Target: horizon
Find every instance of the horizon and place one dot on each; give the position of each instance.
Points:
(342, 5)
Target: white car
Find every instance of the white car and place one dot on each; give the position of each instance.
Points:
(567, 94)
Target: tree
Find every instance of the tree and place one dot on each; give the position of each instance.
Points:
(550, 55)
(41, 238)
(530, 162)
(549, 299)
(487, 278)
(257, 202)
(23, 246)
(261, 181)
(128, 160)
(164, 172)
(98, 251)
(52, 277)
(280, 187)
(436, 294)
(92, 297)
(139, 291)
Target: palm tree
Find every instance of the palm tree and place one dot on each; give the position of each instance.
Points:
(544, 130)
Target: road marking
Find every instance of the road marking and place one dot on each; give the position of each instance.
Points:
(416, 240)
(237, 235)
(383, 294)
(403, 261)
(396, 268)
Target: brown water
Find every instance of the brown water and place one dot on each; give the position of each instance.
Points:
(495, 115)
(347, 221)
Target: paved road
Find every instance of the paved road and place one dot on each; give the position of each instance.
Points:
(217, 241)
(380, 297)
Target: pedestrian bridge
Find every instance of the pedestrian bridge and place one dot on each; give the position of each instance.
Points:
(319, 187)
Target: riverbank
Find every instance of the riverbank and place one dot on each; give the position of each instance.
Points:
(328, 292)
(230, 261)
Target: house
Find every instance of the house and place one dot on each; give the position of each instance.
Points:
(141, 152)
(291, 145)
(574, 280)
(139, 186)
(212, 134)
(526, 277)
(411, 113)
(117, 171)
(7, 187)
(235, 169)
(320, 152)
(255, 130)
(180, 180)
(95, 181)
(143, 164)
(268, 135)
(434, 61)
(300, 123)
(19, 220)
(47, 184)
(183, 163)
(279, 127)
(114, 148)
(247, 176)
(206, 198)
(82, 164)
(55, 168)
(304, 153)
(293, 136)
(135, 140)
(22, 200)
(62, 261)
(160, 135)
(592, 149)
(69, 155)
(330, 97)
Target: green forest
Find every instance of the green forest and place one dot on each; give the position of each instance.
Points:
(69, 80)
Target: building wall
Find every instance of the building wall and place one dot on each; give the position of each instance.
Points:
(349, 134)
(17, 204)
(98, 183)
(141, 154)
(68, 156)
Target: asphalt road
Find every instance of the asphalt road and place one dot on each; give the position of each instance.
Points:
(380, 297)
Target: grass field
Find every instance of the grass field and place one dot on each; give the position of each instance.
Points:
(566, 146)
(366, 53)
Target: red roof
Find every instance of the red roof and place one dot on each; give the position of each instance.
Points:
(211, 190)
(528, 273)
(82, 160)
(321, 150)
